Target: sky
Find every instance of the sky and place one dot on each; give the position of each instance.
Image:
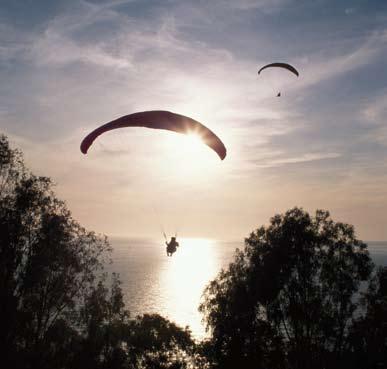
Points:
(68, 66)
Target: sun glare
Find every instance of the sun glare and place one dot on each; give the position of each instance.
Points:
(192, 144)
(191, 147)
(189, 270)
(188, 157)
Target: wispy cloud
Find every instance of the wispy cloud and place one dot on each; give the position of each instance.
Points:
(323, 65)
(376, 110)
(57, 49)
(308, 157)
(265, 5)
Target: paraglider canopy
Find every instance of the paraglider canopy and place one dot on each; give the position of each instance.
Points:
(160, 119)
(289, 67)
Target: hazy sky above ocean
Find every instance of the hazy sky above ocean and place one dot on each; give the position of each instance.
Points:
(68, 66)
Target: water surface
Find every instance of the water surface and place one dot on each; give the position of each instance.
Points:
(172, 286)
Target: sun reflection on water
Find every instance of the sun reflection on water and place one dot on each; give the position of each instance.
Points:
(185, 277)
(154, 283)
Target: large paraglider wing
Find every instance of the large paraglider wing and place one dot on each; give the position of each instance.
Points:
(159, 119)
(280, 65)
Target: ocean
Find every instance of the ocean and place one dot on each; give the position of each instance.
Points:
(173, 286)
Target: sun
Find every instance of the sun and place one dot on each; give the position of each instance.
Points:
(192, 144)
(188, 157)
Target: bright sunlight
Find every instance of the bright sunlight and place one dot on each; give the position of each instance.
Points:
(188, 272)
(188, 157)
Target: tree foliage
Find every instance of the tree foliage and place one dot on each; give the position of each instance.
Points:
(48, 261)
(368, 338)
(57, 307)
(291, 297)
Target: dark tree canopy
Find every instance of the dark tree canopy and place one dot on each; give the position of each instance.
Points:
(368, 338)
(290, 298)
(57, 309)
(48, 262)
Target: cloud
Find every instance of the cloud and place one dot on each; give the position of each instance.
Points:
(56, 49)
(12, 43)
(265, 5)
(374, 114)
(150, 68)
(376, 110)
(307, 157)
(323, 66)
(147, 63)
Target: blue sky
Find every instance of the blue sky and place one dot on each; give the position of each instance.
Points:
(68, 66)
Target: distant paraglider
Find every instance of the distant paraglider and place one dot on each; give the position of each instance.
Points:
(289, 67)
(160, 119)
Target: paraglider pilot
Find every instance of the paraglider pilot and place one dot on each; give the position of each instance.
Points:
(172, 245)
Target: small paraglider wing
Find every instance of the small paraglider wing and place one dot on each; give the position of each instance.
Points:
(160, 119)
(280, 65)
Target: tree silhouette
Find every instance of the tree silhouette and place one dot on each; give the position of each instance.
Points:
(290, 298)
(48, 261)
(368, 339)
(57, 307)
